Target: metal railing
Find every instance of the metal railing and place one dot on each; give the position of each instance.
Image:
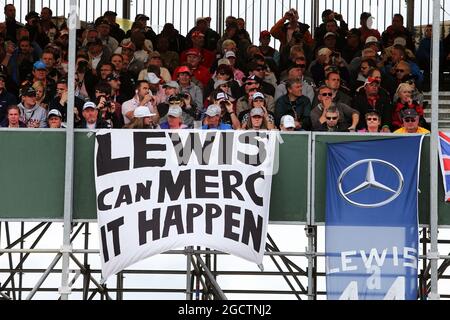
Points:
(259, 15)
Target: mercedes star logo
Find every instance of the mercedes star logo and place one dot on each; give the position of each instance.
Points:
(371, 183)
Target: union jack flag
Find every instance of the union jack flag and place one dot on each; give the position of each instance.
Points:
(444, 157)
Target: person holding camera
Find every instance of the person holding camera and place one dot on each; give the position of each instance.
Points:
(33, 26)
(109, 111)
(329, 24)
(59, 102)
(143, 97)
(285, 28)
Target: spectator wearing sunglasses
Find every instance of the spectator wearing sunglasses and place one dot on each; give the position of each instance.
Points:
(250, 87)
(331, 123)
(398, 54)
(258, 72)
(225, 76)
(405, 101)
(373, 122)
(410, 123)
(348, 117)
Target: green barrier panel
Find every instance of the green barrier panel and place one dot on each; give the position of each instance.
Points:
(289, 199)
(32, 174)
(289, 186)
(424, 182)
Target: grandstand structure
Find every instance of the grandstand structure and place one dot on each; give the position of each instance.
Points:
(48, 240)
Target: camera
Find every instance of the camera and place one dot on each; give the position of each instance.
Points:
(184, 95)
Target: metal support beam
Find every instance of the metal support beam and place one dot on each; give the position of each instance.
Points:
(434, 254)
(220, 16)
(68, 186)
(410, 15)
(211, 279)
(126, 8)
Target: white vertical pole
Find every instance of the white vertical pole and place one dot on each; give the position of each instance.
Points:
(433, 255)
(68, 188)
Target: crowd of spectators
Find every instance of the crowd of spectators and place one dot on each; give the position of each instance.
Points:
(357, 80)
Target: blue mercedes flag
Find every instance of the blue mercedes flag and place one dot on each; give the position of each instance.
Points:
(371, 219)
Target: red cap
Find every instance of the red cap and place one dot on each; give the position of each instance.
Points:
(183, 69)
(193, 51)
(264, 34)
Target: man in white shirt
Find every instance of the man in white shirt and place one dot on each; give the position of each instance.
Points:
(143, 97)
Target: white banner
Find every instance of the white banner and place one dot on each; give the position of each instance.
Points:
(160, 190)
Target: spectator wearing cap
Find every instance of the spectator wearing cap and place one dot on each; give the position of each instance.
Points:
(155, 82)
(411, 122)
(143, 98)
(154, 59)
(399, 41)
(250, 87)
(40, 73)
(287, 123)
(317, 66)
(184, 101)
(366, 30)
(59, 102)
(257, 72)
(174, 119)
(228, 110)
(211, 37)
(12, 118)
(54, 119)
(266, 50)
(348, 117)
(171, 89)
(198, 42)
(198, 70)
(295, 104)
(295, 72)
(142, 119)
(373, 97)
(285, 28)
(170, 59)
(33, 115)
(127, 48)
(116, 32)
(116, 94)
(6, 98)
(183, 76)
(258, 101)
(403, 102)
(224, 77)
(257, 120)
(396, 29)
(212, 119)
(104, 29)
(238, 75)
(91, 120)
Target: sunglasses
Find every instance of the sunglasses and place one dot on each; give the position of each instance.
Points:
(223, 73)
(409, 119)
(250, 83)
(261, 69)
(399, 70)
(372, 119)
(331, 118)
(327, 94)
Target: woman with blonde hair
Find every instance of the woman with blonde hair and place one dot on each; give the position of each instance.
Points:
(143, 119)
(40, 88)
(404, 101)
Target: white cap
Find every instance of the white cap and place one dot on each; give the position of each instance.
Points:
(152, 78)
(221, 95)
(287, 121)
(230, 53)
(175, 111)
(258, 95)
(171, 84)
(89, 104)
(401, 41)
(142, 112)
(213, 110)
(371, 39)
(54, 112)
(257, 112)
(329, 34)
